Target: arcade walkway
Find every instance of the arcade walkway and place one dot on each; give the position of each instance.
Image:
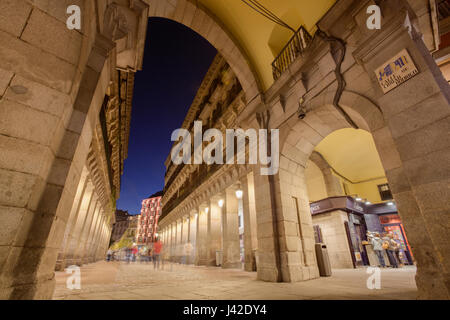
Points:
(139, 281)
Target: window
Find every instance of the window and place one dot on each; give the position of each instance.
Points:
(385, 192)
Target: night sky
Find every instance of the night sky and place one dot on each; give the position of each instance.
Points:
(175, 62)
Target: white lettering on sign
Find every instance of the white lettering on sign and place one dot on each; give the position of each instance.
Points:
(396, 71)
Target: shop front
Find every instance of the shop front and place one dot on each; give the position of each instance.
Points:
(342, 224)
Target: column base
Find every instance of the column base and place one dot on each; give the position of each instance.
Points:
(250, 267)
(202, 262)
(232, 265)
(267, 274)
(36, 291)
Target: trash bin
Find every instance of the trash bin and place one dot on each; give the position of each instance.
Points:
(323, 261)
(219, 257)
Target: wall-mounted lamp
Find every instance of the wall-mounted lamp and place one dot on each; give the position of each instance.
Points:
(220, 203)
(368, 203)
(239, 192)
(390, 203)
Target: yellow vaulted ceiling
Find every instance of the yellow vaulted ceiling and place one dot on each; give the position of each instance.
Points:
(353, 154)
(261, 38)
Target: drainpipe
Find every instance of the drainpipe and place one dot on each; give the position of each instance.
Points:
(338, 50)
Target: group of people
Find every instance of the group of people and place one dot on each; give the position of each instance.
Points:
(386, 241)
(152, 253)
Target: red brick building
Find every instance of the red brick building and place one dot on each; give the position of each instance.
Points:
(148, 221)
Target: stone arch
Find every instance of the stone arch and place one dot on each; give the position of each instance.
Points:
(332, 185)
(199, 19)
(299, 138)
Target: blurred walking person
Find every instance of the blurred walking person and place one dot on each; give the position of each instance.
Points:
(109, 254)
(157, 247)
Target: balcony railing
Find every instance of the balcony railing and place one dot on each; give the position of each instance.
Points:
(293, 49)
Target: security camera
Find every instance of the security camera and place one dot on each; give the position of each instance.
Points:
(301, 112)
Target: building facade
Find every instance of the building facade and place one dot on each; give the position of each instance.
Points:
(120, 226)
(60, 173)
(147, 228)
(337, 79)
(133, 226)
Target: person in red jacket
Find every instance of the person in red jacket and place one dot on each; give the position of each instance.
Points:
(157, 248)
(134, 252)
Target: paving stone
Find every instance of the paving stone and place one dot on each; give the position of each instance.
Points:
(141, 281)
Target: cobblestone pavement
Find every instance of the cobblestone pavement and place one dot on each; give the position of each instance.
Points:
(134, 281)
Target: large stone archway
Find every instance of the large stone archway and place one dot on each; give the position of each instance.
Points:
(59, 100)
(198, 18)
(400, 122)
(71, 82)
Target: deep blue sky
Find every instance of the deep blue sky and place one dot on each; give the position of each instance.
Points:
(175, 62)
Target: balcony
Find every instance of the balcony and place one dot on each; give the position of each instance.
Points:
(293, 49)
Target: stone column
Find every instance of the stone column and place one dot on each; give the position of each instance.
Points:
(85, 228)
(74, 239)
(414, 145)
(250, 236)
(106, 237)
(202, 233)
(81, 190)
(173, 250)
(179, 240)
(214, 229)
(188, 238)
(100, 239)
(166, 239)
(93, 243)
(185, 237)
(230, 227)
(193, 237)
(86, 252)
(269, 262)
(97, 235)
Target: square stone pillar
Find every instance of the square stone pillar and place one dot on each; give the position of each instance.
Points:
(85, 228)
(413, 145)
(74, 241)
(98, 233)
(179, 240)
(249, 208)
(202, 236)
(193, 237)
(81, 190)
(230, 227)
(90, 235)
(173, 242)
(94, 243)
(214, 230)
(268, 262)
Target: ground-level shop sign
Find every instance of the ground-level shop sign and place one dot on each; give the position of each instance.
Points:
(396, 71)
